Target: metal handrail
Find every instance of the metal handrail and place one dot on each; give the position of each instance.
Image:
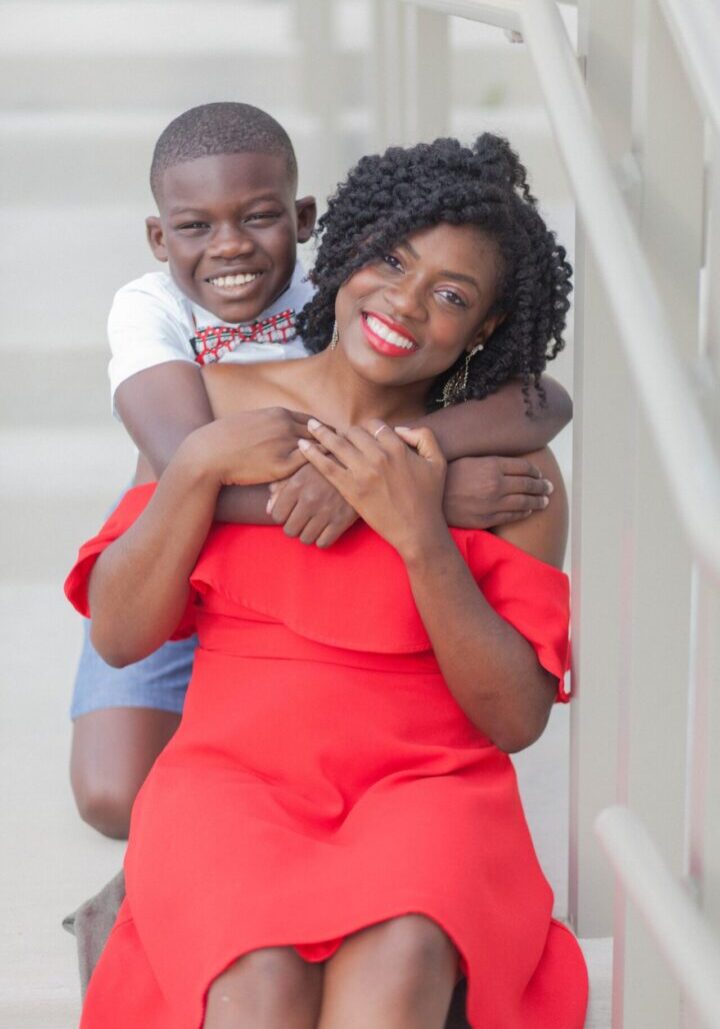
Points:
(503, 14)
(695, 27)
(681, 934)
(662, 382)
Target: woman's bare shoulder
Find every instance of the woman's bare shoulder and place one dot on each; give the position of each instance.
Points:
(544, 533)
(233, 388)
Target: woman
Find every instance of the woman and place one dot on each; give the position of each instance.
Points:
(334, 835)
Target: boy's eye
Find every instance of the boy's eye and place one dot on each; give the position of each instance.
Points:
(192, 225)
(262, 215)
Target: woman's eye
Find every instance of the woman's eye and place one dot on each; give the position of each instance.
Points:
(453, 297)
(391, 260)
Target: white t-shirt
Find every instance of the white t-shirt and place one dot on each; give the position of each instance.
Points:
(151, 321)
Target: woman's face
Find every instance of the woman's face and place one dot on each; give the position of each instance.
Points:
(408, 316)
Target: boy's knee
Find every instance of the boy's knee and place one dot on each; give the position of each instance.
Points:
(105, 808)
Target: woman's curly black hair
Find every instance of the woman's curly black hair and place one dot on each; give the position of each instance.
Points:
(387, 197)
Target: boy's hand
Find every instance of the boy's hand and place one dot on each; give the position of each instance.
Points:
(482, 492)
(249, 447)
(309, 507)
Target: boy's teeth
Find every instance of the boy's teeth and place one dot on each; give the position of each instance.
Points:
(233, 280)
(381, 329)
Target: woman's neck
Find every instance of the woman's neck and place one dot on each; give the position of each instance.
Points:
(349, 399)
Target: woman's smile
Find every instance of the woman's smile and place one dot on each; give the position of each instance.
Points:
(386, 336)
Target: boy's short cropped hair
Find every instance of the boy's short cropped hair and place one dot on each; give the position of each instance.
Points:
(219, 128)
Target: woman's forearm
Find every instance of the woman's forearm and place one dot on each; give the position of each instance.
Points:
(139, 587)
(491, 670)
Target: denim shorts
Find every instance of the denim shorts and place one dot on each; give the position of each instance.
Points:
(158, 681)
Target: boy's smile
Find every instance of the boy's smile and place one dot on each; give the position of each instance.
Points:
(228, 227)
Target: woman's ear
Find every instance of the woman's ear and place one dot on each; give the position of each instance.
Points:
(487, 328)
(306, 210)
(156, 238)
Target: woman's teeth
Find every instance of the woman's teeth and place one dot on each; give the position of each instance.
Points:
(384, 332)
(230, 281)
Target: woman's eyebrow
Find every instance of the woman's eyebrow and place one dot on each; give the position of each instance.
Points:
(460, 276)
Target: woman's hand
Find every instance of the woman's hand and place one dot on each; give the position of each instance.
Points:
(310, 508)
(393, 478)
(251, 447)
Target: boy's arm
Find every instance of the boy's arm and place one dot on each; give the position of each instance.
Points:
(499, 424)
(160, 407)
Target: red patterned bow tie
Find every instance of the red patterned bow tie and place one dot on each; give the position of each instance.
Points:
(213, 343)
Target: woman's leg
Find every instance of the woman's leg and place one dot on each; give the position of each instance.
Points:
(272, 988)
(399, 974)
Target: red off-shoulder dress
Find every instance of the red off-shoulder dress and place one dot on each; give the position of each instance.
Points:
(324, 779)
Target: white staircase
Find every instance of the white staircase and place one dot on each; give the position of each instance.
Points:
(86, 87)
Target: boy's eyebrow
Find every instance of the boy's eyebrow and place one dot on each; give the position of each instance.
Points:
(449, 274)
(188, 209)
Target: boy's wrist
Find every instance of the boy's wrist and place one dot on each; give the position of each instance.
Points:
(194, 462)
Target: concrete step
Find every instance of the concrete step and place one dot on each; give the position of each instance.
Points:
(98, 156)
(51, 861)
(60, 269)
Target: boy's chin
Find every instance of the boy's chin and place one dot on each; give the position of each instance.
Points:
(238, 303)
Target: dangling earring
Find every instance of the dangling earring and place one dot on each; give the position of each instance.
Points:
(454, 389)
(335, 338)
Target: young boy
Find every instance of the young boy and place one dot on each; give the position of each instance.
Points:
(224, 177)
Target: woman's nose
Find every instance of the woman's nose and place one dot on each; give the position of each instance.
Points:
(406, 299)
(230, 241)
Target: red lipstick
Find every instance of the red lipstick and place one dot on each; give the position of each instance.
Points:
(386, 336)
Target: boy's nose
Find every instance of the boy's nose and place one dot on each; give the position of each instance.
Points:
(231, 242)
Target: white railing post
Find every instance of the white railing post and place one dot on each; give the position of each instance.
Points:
(321, 92)
(649, 585)
(410, 81)
(601, 463)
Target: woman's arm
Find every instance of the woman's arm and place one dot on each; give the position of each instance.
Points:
(500, 423)
(489, 667)
(139, 587)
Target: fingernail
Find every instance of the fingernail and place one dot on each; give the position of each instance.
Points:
(313, 423)
(548, 486)
(272, 487)
(402, 428)
(304, 444)
(270, 504)
(545, 501)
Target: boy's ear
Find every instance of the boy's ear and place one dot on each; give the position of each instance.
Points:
(306, 210)
(156, 238)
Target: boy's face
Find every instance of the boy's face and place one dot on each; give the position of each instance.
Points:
(228, 227)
